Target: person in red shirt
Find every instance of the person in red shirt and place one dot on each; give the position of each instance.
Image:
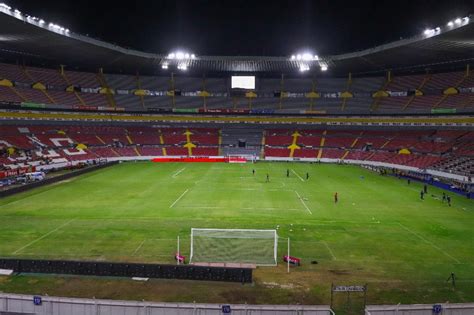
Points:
(335, 197)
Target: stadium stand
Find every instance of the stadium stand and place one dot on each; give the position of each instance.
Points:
(444, 150)
(356, 95)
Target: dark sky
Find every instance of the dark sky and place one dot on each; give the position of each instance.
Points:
(241, 27)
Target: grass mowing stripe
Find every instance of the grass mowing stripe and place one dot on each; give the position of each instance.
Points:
(179, 198)
(40, 238)
(302, 201)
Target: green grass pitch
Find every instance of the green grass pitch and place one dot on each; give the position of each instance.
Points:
(379, 232)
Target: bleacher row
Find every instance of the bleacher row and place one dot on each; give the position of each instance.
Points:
(47, 144)
(447, 150)
(58, 81)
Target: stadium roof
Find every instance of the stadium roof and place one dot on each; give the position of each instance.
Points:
(34, 41)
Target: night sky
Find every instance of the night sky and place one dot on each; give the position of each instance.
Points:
(241, 27)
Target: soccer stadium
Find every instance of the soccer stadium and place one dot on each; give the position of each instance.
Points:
(186, 182)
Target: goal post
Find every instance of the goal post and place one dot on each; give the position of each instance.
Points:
(245, 246)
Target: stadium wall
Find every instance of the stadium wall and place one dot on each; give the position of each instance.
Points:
(372, 163)
(56, 179)
(129, 270)
(421, 309)
(24, 304)
(285, 159)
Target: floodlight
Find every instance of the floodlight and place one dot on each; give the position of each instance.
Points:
(304, 68)
(298, 57)
(438, 29)
(316, 57)
(466, 19)
(193, 56)
(293, 57)
(458, 21)
(171, 56)
(179, 55)
(450, 24)
(324, 68)
(427, 32)
(164, 66)
(186, 55)
(307, 56)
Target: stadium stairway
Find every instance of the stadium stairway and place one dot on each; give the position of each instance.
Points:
(232, 135)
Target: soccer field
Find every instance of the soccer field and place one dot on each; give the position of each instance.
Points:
(379, 232)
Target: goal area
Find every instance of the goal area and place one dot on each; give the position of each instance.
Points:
(244, 246)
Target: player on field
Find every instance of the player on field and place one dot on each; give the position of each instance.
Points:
(307, 176)
(253, 172)
(425, 188)
(422, 195)
(444, 197)
(448, 198)
(287, 173)
(335, 198)
(268, 178)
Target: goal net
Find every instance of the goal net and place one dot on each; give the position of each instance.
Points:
(257, 247)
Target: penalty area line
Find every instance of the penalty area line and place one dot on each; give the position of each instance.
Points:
(139, 246)
(429, 242)
(302, 201)
(178, 172)
(179, 198)
(329, 249)
(41, 237)
(293, 171)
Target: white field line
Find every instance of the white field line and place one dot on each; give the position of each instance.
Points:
(292, 170)
(179, 198)
(329, 249)
(178, 172)
(302, 201)
(43, 236)
(430, 243)
(237, 208)
(139, 246)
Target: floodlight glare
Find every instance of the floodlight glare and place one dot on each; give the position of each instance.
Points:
(458, 21)
(171, 56)
(307, 56)
(293, 57)
(179, 55)
(41, 21)
(427, 32)
(450, 23)
(17, 11)
(304, 68)
(316, 57)
(438, 29)
(466, 19)
(324, 68)
(164, 66)
(298, 57)
(186, 55)
(193, 56)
